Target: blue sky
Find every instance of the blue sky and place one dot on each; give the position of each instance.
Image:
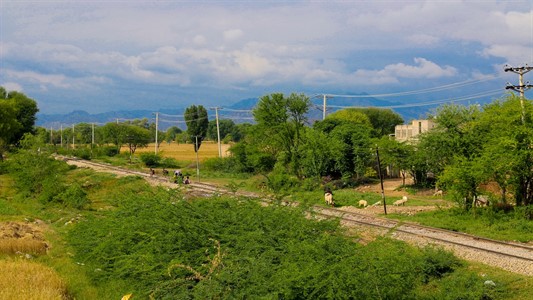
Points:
(101, 56)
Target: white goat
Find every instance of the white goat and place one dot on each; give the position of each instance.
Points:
(400, 202)
(329, 199)
(363, 203)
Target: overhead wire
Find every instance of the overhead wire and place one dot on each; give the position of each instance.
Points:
(422, 91)
(433, 102)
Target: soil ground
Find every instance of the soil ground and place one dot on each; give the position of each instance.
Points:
(392, 189)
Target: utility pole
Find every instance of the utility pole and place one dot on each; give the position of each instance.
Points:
(72, 136)
(381, 181)
(51, 136)
(324, 106)
(61, 126)
(92, 139)
(521, 87)
(156, 130)
(197, 162)
(218, 131)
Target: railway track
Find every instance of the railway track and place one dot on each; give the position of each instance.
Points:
(509, 256)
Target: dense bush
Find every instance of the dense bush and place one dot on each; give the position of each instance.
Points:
(83, 153)
(220, 164)
(222, 249)
(74, 196)
(106, 151)
(34, 173)
(150, 159)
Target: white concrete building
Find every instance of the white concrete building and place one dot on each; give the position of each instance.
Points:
(409, 132)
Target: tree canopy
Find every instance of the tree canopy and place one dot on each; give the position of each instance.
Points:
(17, 117)
(197, 122)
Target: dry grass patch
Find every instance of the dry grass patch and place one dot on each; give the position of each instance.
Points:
(17, 237)
(29, 280)
(185, 152)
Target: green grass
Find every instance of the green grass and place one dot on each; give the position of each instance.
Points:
(485, 223)
(109, 194)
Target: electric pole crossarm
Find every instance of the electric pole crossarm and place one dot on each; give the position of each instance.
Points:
(521, 87)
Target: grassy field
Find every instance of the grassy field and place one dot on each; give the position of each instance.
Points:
(185, 152)
(67, 276)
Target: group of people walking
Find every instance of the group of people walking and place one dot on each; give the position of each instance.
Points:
(177, 176)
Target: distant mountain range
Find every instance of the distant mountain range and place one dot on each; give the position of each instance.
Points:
(239, 112)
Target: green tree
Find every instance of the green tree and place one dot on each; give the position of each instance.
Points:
(319, 153)
(506, 152)
(353, 137)
(197, 122)
(280, 122)
(9, 125)
(453, 136)
(383, 120)
(115, 133)
(171, 134)
(17, 117)
(26, 113)
(136, 137)
(463, 177)
(225, 126)
(396, 155)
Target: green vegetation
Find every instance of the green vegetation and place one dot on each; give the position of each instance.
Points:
(133, 238)
(486, 222)
(114, 236)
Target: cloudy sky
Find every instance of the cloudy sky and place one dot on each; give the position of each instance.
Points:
(102, 56)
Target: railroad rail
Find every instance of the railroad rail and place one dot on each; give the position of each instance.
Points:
(511, 256)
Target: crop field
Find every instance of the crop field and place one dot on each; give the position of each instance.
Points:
(185, 152)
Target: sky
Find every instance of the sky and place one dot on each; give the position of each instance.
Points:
(102, 56)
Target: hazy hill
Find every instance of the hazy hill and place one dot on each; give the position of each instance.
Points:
(239, 112)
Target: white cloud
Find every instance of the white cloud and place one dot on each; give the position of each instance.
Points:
(423, 39)
(199, 40)
(347, 45)
(423, 69)
(42, 79)
(12, 86)
(232, 34)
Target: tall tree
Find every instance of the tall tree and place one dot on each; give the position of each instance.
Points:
(171, 133)
(280, 121)
(23, 109)
(225, 126)
(137, 137)
(17, 117)
(197, 122)
(115, 133)
(506, 153)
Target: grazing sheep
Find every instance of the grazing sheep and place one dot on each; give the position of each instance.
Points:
(363, 203)
(400, 202)
(481, 200)
(438, 193)
(329, 198)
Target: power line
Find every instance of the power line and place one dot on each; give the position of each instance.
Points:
(433, 102)
(422, 91)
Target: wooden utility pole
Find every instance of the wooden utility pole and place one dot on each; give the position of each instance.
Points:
(521, 87)
(381, 181)
(216, 108)
(324, 106)
(197, 161)
(156, 132)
